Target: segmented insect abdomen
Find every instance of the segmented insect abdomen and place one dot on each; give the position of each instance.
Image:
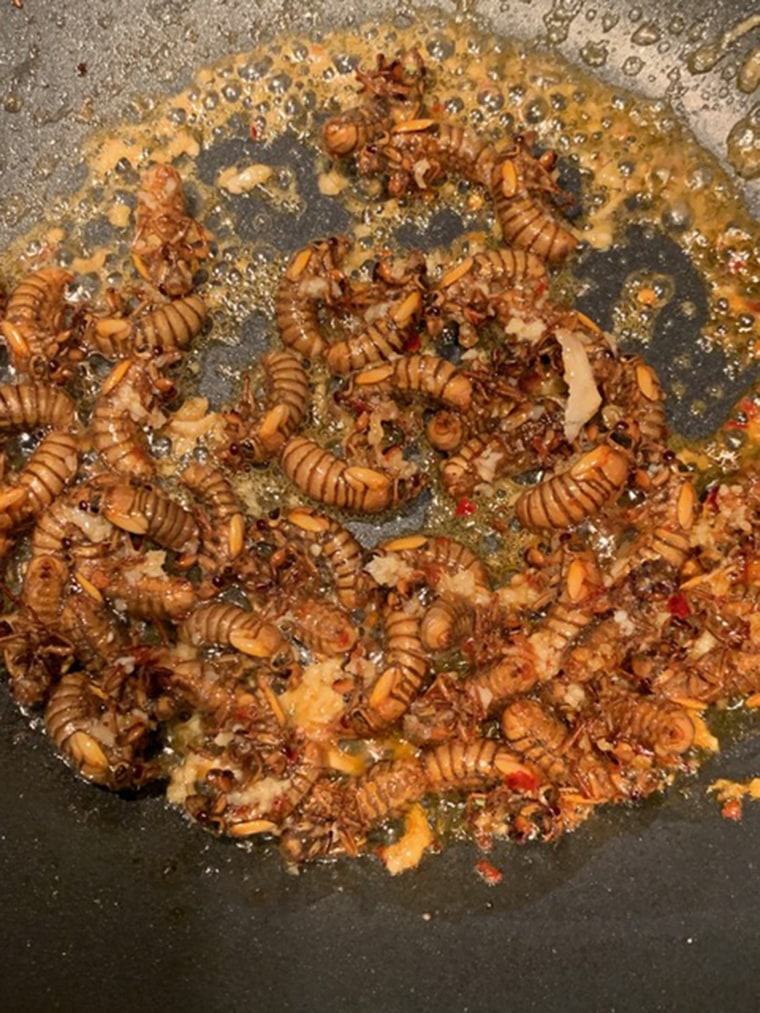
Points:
(571, 496)
(50, 468)
(26, 406)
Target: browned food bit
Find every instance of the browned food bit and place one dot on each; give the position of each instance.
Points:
(169, 245)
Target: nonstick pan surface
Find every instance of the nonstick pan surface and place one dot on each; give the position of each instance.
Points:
(107, 902)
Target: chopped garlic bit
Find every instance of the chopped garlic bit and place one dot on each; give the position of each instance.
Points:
(190, 423)
(726, 791)
(528, 330)
(583, 399)
(406, 853)
(388, 570)
(237, 181)
(332, 183)
(314, 704)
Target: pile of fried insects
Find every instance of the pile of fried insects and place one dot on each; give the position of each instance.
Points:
(283, 679)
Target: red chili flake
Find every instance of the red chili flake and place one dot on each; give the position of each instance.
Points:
(732, 810)
(521, 780)
(254, 132)
(678, 606)
(413, 342)
(541, 287)
(465, 507)
(711, 499)
(735, 264)
(488, 873)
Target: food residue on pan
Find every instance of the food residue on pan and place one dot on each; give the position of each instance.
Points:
(324, 503)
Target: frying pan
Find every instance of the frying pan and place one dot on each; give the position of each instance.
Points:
(106, 901)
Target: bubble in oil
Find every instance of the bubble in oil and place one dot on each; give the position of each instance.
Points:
(647, 34)
(632, 66)
(594, 54)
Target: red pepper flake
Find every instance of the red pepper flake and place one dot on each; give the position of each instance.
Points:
(413, 342)
(732, 810)
(465, 507)
(521, 780)
(711, 499)
(253, 132)
(736, 264)
(678, 606)
(488, 873)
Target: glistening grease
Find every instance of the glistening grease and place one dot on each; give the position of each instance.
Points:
(343, 516)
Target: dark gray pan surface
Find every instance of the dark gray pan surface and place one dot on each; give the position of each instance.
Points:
(107, 902)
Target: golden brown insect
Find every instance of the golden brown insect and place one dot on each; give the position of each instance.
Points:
(43, 590)
(34, 648)
(459, 473)
(446, 430)
(325, 629)
(447, 622)
(538, 737)
(34, 316)
(460, 765)
(571, 496)
(406, 665)
(519, 186)
(349, 131)
(223, 531)
(380, 342)
(420, 152)
(312, 278)
(388, 788)
(288, 399)
(515, 673)
(26, 406)
(96, 635)
(428, 374)
(169, 244)
(635, 391)
(167, 327)
(229, 625)
(342, 554)
(72, 526)
(328, 479)
(660, 725)
(142, 594)
(483, 286)
(149, 512)
(125, 411)
(436, 556)
(47, 472)
(100, 743)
